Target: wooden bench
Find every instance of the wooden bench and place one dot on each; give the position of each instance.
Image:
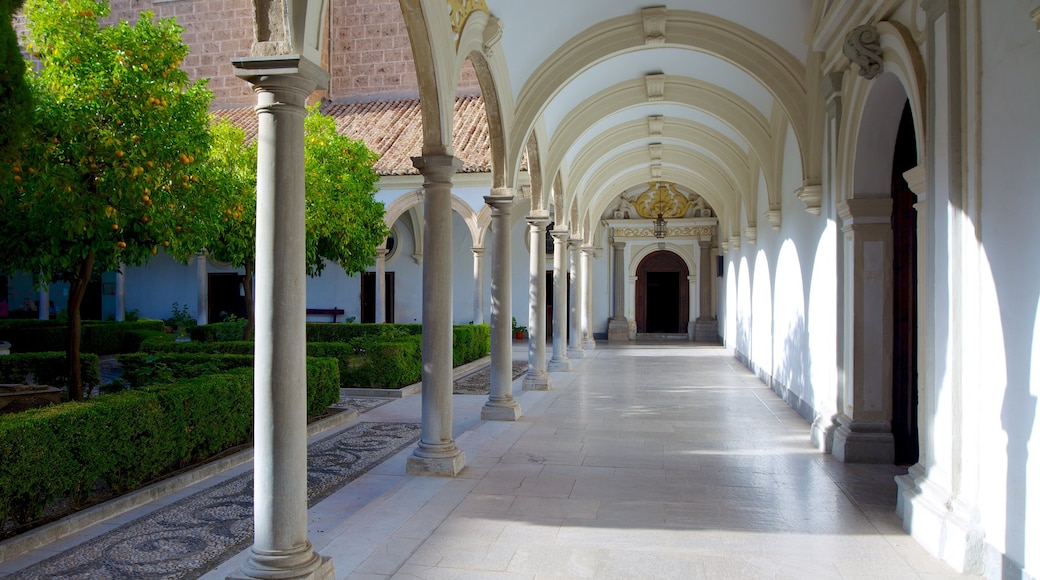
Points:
(333, 312)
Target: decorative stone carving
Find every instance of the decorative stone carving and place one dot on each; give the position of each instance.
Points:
(460, 11)
(656, 125)
(1035, 15)
(660, 198)
(656, 150)
(812, 195)
(656, 171)
(774, 215)
(654, 19)
(863, 47)
(655, 87)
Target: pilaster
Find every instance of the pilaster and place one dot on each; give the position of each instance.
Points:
(280, 545)
(865, 431)
(617, 328)
(436, 453)
(501, 406)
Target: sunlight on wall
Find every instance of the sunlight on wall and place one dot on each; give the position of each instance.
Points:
(743, 307)
(823, 322)
(762, 316)
(1032, 507)
(789, 340)
(731, 303)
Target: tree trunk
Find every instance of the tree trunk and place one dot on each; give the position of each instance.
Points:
(77, 289)
(247, 284)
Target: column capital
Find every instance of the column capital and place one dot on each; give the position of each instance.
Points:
(381, 252)
(588, 250)
(500, 204)
(477, 251)
(290, 72)
(560, 235)
(863, 211)
(437, 168)
(538, 221)
(502, 192)
(618, 245)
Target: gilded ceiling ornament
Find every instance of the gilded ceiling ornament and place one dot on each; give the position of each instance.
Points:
(460, 11)
(863, 47)
(661, 198)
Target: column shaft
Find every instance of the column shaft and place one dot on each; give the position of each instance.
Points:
(380, 285)
(537, 378)
(501, 405)
(587, 342)
(559, 361)
(478, 285)
(202, 273)
(436, 453)
(280, 546)
(707, 329)
(574, 349)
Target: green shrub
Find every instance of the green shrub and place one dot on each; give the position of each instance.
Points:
(470, 342)
(128, 438)
(100, 338)
(47, 368)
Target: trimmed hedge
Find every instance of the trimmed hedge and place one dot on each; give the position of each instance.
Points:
(140, 369)
(470, 342)
(131, 437)
(99, 338)
(48, 368)
(316, 331)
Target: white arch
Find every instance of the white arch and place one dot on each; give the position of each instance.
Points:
(415, 198)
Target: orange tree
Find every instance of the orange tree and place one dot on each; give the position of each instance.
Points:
(108, 171)
(343, 219)
(15, 99)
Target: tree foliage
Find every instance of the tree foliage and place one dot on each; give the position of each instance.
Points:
(344, 221)
(15, 98)
(110, 169)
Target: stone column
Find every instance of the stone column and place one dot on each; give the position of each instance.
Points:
(865, 431)
(707, 326)
(559, 361)
(691, 325)
(537, 378)
(202, 273)
(587, 342)
(501, 406)
(43, 309)
(436, 453)
(280, 545)
(574, 349)
(380, 285)
(121, 297)
(617, 329)
(478, 286)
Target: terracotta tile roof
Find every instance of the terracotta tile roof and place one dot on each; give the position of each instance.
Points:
(393, 129)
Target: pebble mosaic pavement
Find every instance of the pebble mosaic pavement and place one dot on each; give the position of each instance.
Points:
(191, 536)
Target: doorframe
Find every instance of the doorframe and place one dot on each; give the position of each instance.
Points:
(661, 261)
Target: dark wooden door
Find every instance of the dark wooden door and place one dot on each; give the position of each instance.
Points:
(226, 296)
(662, 294)
(368, 297)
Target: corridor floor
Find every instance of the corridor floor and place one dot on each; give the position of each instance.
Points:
(663, 460)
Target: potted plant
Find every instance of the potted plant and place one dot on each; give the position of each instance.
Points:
(518, 331)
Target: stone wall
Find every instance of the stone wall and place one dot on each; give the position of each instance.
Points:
(369, 53)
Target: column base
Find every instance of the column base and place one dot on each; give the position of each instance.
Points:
(588, 344)
(540, 382)
(500, 411)
(822, 433)
(617, 330)
(940, 523)
(449, 466)
(575, 353)
(864, 442)
(278, 566)
(559, 365)
(707, 330)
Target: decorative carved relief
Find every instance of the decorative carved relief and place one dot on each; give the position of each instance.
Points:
(656, 125)
(656, 171)
(673, 232)
(656, 150)
(460, 11)
(654, 20)
(751, 233)
(774, 216)
(812, 195)
(655, 87)
(863, 47)
(662, 198)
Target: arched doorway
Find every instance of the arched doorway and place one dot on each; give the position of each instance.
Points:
(662, 294)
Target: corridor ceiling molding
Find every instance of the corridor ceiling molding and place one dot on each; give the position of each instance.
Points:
(611, 95)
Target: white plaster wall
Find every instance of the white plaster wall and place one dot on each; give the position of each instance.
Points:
(462, 271)
(334, 289)
(152, 289)
(1010, 279)
(601, 288)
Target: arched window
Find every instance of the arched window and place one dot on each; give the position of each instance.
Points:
(550, 245)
